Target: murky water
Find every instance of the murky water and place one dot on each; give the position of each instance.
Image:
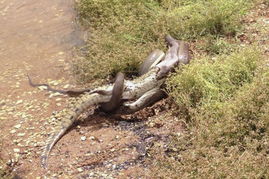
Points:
(36, 37)
(34, 27)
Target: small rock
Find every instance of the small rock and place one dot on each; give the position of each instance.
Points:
(58, 104)
(55, 83)
(105, 125)
(20, 145)
(55, 94)
(16, 150)
(17, 126)
(114, 167)
(21, 134)
(13, 131)
(83, 138)
(42, 87)
(80, 170)
(17, 156)
(19, 101)
(15, 141)
(58, 99)
(66, 86)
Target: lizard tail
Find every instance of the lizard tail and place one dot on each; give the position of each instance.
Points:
(88, 101)
(53, 139)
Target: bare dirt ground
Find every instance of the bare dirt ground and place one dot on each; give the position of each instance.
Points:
(37, 38)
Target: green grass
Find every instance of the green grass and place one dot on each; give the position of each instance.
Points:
(226, 102)
(207, 82)
(222, 94)
(124, 32)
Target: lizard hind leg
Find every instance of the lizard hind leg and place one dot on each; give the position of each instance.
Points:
(116, 97)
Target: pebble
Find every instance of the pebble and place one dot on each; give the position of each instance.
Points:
(17, 156)
(21, 134)
(19, 101)
(83, 138)
(66, 86)
(58, 99)
(16, 150)
(13, 131)
(17, 126)
(55, 94)
(55, 83)
(42, 87)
